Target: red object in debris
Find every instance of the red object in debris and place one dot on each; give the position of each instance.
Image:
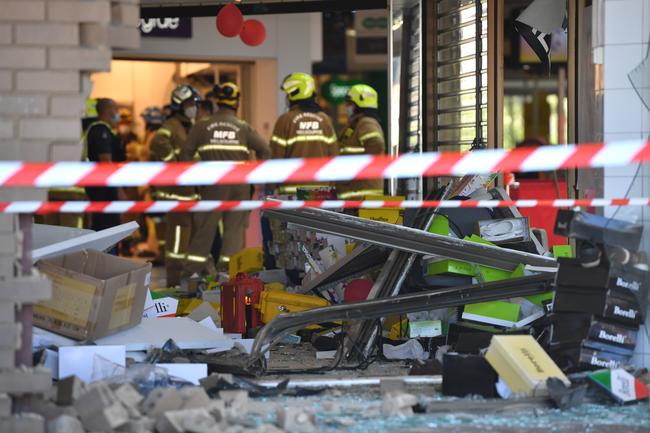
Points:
(540, 217)
(230, 21)
(253, 33)
(238, 299)
(357, 290)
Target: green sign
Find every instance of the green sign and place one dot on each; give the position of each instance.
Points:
(335, 90)
(375, 23)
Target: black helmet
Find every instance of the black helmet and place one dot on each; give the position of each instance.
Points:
(183, 93)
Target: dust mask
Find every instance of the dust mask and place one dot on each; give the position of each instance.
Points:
(190, 112)
(349, 110)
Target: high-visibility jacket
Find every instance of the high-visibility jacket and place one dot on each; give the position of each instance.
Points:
(303, 134)
(84, 137)
(224, 137)
(166, 146)
(362, 136)
(221, 137)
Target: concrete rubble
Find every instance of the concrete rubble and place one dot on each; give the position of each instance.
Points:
(398, 404)
(77, 407)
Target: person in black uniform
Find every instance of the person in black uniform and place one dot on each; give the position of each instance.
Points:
(102, 144)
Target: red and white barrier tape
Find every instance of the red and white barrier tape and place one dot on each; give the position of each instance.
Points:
(75, 207)
(341, 168)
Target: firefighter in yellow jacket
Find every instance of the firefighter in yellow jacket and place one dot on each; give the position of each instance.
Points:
(362, 136)
(304, 131)
(166, 146)
(222, 137)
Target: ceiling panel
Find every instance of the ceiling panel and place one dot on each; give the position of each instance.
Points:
(194, 8)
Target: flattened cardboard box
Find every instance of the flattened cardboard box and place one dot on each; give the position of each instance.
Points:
(93, 294)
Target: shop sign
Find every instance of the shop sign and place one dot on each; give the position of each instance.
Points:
(335, 90)
(179, 27)
(371, 23)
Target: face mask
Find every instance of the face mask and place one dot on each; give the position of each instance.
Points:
(116, 118)
(190, 112)
(349, 110)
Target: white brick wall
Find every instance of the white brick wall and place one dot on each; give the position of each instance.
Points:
(62, 128)
(25, 104)
(65, 151)
(47, 81)
(22, 57)
(47, 50)
(125, 14)
(21, 10)
(6, 128)
(69, 105)
(93, 34)
(626, 34)
(14, 149)
(6, 80)
(47, 34)
(6, 31)
(91, 11)
(81, 59)
(123, 37)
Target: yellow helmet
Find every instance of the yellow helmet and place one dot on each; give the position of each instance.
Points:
(363, 96)
(91, 108)
(298, 86)
(228, 94)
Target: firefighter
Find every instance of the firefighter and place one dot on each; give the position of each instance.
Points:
(222, 137)
(304, 131)
(166, 146)
(153, 120)
(362, 136)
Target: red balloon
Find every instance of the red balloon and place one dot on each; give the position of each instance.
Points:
(230, 21)
(253, 33)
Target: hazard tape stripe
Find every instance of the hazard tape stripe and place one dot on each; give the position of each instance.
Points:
(340, 168)
(55, 207)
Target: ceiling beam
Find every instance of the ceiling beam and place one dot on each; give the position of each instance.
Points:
(162, 10)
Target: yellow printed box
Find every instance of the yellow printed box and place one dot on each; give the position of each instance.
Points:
(94, 294)
(391, 216)
(273, 303)
(248, 260)
(385, 215)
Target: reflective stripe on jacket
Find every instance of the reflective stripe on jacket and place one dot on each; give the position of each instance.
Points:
(303, 134)
(362, 136)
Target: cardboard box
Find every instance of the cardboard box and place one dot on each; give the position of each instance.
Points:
(523, 364)
(94, 294)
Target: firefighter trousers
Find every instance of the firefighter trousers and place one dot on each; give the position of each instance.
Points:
(177, 240)
(206, 224)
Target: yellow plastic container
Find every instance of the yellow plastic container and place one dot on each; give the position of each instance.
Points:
(386, 215)
(277, 302)
(187, 305)
(274, 287)
(248, 260)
